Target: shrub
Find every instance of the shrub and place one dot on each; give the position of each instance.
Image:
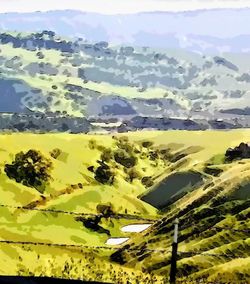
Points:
(213, 171)
(30, 169)
(92, 144)
(153, 155)
(147, 144)
(100, 148)
(125, 159)
(106, 210)
(91, 169)
(93, 224)
(147, 181)
(132, 174)
(55, 153)
(106, 155)
(123, 144)
(40, 55)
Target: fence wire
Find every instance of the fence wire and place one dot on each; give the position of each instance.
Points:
(118, 216)
(115, 216)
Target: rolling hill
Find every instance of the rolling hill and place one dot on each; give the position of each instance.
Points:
(45, 73)
(65, 195)
(211, 202)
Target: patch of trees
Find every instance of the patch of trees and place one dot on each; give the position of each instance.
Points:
(107, 155)
(126, 159)
(240, 152)
(132, 174)
(147, 144)
(31, 169)
(147, 181)
(104, 174)
(124, 155)
(38, 122)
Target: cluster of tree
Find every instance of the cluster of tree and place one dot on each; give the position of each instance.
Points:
(126, 155)
(240, 152)
(123, 155)
(31, 169)
(104, 174)
(38, 122)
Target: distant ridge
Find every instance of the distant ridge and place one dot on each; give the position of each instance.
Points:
(199, 31)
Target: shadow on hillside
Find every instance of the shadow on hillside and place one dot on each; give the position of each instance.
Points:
(40, 280)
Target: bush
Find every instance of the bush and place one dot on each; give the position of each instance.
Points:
(147, 144)
(30, 169)
(92, 144)
(132, 174)
(147, 181)
(91, 169)
(125, 159)
(40, 55)
(106, 210)
(55, 153)
(104, 175)
(153, 155)
(106, 155)
(123, 144)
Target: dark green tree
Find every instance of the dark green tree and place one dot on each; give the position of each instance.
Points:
(31, 169)
(124, 158)
(103, 174)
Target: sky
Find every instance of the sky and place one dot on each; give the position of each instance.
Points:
(118, 6)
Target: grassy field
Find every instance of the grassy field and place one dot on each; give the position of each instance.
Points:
(220, 200)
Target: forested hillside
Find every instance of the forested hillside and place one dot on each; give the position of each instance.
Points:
(42, 72)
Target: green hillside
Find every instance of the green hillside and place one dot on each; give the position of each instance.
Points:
(90, 175)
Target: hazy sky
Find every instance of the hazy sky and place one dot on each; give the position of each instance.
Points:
(118, 6)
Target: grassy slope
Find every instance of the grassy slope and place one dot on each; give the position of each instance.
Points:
(202, 210)
(45, 82)
(71, 168)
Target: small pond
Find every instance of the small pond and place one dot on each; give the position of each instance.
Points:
(116, 241)
(135, 228)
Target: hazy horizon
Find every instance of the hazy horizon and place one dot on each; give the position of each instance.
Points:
(119, 7)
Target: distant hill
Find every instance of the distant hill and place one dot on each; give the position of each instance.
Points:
(202, 31)
(44, 73)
